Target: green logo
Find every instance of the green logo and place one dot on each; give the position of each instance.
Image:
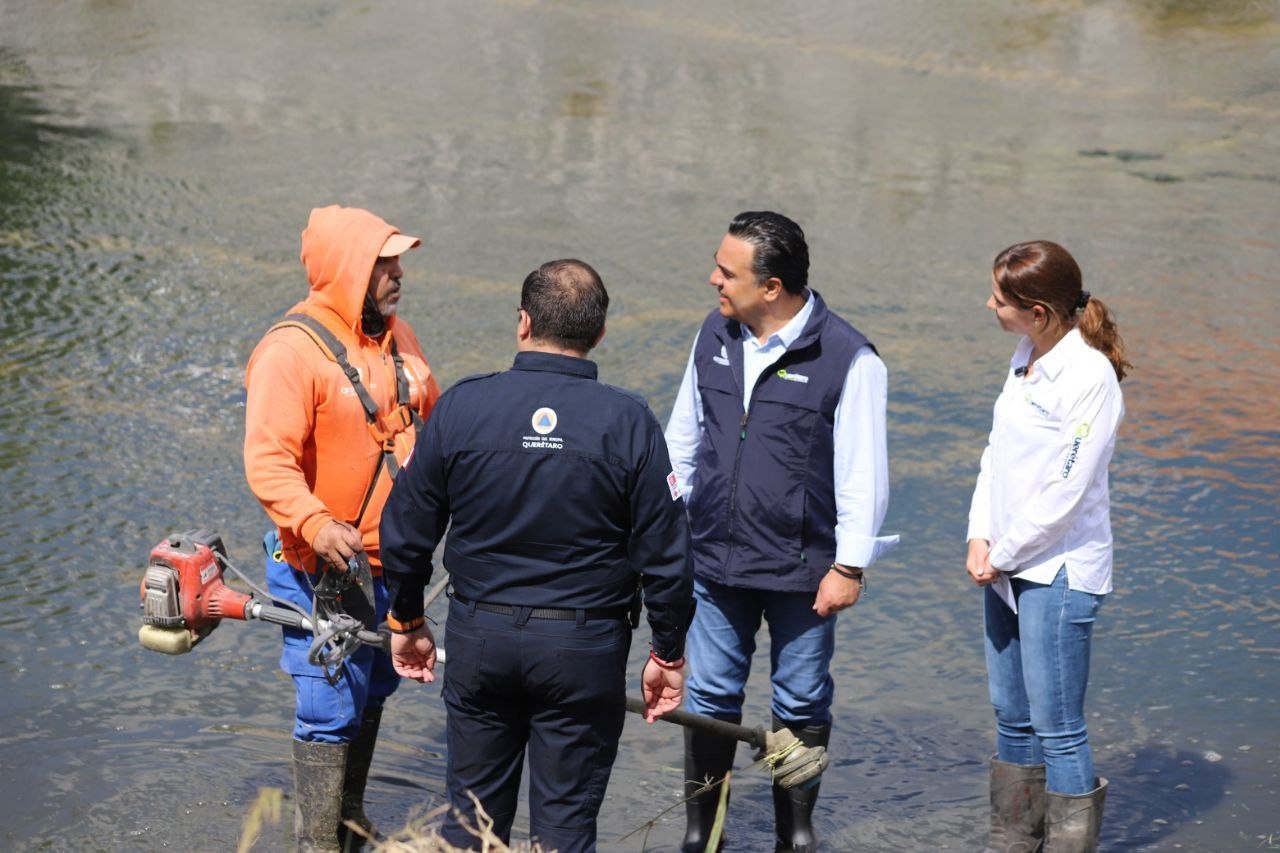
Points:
(1082, 431)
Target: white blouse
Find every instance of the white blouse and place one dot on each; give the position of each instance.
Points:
(1042, 499)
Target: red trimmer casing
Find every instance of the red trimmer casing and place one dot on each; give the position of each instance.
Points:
(183, 587)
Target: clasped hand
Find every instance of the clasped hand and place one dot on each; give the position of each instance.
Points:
(978, 562)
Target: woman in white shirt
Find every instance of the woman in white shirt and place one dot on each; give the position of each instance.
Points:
(1040, 542)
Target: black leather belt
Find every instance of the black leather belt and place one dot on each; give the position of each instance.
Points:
(564, 615)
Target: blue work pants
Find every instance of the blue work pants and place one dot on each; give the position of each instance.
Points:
(324, 712)
(555, 688)
(722, 641)
(1037, 672)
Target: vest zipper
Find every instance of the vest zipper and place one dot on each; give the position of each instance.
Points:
(737, 458)
(733, 489)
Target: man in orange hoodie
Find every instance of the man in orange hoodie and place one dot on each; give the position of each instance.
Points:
(337, 392)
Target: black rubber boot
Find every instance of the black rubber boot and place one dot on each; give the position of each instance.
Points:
(1072, 821)
(317, 794)
(706, 757)
(793, 807)
(1017, 807)
(359, 758)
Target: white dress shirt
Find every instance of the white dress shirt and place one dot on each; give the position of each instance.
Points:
(861, 465)
(1042, 499)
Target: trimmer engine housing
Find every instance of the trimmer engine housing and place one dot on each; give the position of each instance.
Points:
(183, 589)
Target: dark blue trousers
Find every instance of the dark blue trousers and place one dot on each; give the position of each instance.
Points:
(554, 689)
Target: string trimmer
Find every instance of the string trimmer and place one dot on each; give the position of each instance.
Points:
(184, 598)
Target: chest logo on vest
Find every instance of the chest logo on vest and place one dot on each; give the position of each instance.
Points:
(783, 373)
(722, 358)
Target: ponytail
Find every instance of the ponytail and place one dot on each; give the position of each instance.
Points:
(1040, 272)
(1097, 326)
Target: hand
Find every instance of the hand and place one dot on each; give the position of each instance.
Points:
(978, 562)
(414, 654)
(337, 542)
(836, 593)
(662, 690)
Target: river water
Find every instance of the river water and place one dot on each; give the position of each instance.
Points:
(157, 162)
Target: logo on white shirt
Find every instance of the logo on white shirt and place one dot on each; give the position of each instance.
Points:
(722, 358)
(1040, 410)
(1082, 432)
(673, 485)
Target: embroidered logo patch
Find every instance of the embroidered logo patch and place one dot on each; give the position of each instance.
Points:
(722, 358)
(792, 377)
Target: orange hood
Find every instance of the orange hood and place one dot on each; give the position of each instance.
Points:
(339, 248)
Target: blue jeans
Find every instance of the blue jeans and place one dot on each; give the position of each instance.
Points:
(325, 712)
(1037, 672)
(722, 640)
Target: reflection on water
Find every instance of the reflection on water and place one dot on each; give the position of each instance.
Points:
(156, 166)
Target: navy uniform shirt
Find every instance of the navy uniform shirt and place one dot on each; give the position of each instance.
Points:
(559, 493)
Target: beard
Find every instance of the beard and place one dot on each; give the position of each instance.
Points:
(372, 323)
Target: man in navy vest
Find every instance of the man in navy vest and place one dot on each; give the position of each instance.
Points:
(777, 439)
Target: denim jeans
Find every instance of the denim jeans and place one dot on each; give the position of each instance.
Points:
(722, 640)
(1037, 672)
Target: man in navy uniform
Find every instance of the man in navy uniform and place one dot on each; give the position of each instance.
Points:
(562, 502)
(778, 441)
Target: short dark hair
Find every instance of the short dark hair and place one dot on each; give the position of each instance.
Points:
(780, 248)
(566, 303)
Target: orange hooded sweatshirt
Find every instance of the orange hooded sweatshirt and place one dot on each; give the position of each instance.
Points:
(309, 455)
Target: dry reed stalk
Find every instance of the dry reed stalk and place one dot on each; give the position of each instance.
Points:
(423, 836)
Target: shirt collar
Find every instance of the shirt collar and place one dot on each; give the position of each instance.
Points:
(788, 334)
(1052, 362)
(550, 362)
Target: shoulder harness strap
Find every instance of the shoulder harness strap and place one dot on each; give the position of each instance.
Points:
(329, 343)
(402, 385)
(332, 347)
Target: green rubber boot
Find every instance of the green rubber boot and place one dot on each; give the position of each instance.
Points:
(1017, 807)
(317, 794)
(359, 759)
(1072, 821)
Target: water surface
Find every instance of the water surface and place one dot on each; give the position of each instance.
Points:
(157, 162)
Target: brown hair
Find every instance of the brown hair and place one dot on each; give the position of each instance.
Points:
(1042, 273)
